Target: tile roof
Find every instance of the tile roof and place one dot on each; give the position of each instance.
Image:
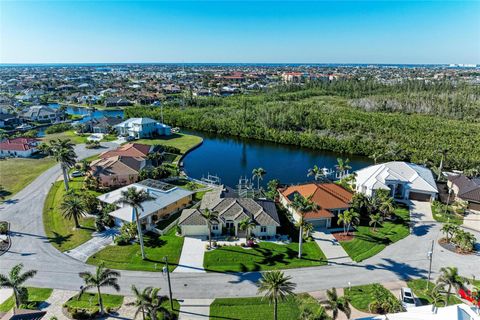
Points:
(129, 150)
(116, 165)
(326, 195)
(468, 189)
(18, 144)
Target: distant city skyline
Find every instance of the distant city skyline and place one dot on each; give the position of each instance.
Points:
(358, 32)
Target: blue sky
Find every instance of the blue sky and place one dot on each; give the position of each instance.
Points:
(228, 31)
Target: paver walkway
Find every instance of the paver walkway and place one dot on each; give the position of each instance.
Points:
(195, 309)
(331, 247)
(5, 294)
(99, 241)
(191, 259)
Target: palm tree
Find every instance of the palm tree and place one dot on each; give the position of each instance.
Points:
(450, 278)
(386, 206)
(85, 166)
(103, 277)
(302, 205)
(14, 280)
(258, 173)
(134, 199)
(275, 286)
(156, 158)
(348, 218)
(449, 229)
(308, 228)
(150, 302)
(437, 296)
(247, 224)
(64, 153)
(73, 207)
(444, 152)
(316, 172)
(343, 165)
(376, 156)
(375, 219)
(337, 304)
(210, 217)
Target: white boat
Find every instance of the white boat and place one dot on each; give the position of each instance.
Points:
(24, 127)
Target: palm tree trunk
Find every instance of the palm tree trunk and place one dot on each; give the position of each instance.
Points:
(275, 308)
(77, 225)
(210, 236)
(100, 301)
(65, 176)
(17, 302)
(448, 293)
(140, 234)
(300, 240)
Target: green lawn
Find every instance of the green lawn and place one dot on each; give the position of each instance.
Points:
(60, 231)
(441, 215)
(17, 173)
(77, 139)
(184, 142)
(361, 296)
(256, 308)
(368, 243)
(419, 288)
(35, 297)
(129, 257)
(265, 256)
(89, 301)
(162, 224)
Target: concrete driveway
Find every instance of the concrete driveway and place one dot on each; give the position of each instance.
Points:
(191, 259)
(420, 211)
(331, 247)
(99, 241)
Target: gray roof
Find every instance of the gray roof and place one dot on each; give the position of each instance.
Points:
(262, 212)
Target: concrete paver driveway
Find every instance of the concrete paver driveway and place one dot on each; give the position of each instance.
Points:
(191, 259)
(331, 247)
(99, 241)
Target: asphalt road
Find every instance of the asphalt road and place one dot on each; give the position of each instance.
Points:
(402, 260)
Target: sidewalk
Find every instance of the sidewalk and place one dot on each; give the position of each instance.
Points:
(195, 309)
(99, 241)
(331, 247)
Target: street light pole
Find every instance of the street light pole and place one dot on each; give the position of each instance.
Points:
(165, 270)
(430, 257)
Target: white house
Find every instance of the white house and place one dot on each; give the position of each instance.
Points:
(142, 128)
(40, 114)
(231, 211)
(18, 147)
(403, 180)
(455, 312)
(167, 199)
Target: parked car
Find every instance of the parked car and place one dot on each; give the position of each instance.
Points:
(76, 174)
(407, 298)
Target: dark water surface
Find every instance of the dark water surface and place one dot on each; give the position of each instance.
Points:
(231, 158)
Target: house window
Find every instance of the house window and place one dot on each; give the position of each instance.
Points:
(263, 229)
(215, 227)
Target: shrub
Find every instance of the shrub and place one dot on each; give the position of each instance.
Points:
(79, 313)
(178, 229)
(56, 128)
(3, 227)
(242, 245)
(122, 240)
(214, 243)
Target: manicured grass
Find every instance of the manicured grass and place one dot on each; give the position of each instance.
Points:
(17, 173)
(35, 297)
(439, 214)
(77, 139)
(129, 257)
(361, 296)
(419, 288)
(265, 256)
(368, 243)
(61, 232)
(89, 301)
(165, 223)
(184, 142)
(256, 308)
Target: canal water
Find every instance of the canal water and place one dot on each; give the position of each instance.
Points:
(230, 158)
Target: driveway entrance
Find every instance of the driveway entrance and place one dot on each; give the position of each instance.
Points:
(191, 259)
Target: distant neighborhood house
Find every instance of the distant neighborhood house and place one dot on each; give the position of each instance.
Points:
(142, 128)
(403, 180)
(167, 199)
(18, 147)
(117, 102)
(330, 198)
(465, 189)
(40, 114)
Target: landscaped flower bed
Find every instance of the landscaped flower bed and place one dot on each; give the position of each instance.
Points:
(87, 306)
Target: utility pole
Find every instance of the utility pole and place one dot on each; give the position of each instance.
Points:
(165, 270)
(430, 256)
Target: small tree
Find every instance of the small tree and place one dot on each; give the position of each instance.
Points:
(247, 225)
(149, 301)
(450, 278)
(301, 205)
(210, 217)
(449, 229)
(275, 286)
(64, 153)
(258, 173)
(336, 304)
(349, 218)
(375, 219)
(15, 280)
(100, 279)
(73, 208)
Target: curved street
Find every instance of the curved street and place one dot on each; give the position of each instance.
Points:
(402, 260)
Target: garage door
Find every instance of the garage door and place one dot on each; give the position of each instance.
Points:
(319, 223)
(474, 206)
(419, 196)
